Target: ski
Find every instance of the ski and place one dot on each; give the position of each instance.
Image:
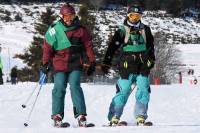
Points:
(63, 125)
(121, 123)
(124, 123)
(148, 123)
(90, 125)
(67, 125)
(87, 125)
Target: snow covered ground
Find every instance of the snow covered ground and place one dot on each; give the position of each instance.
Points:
(190, 58)
(173, 109)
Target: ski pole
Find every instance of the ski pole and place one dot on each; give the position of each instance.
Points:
(31, 94)
(133, 88)
(42, 81)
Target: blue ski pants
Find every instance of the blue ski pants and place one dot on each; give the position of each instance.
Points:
(124, 90)
(58, 93)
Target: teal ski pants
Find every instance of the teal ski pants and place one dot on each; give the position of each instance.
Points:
(58, 93)
(124, 90)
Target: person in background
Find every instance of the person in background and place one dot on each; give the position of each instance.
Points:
(65, 42)
(137, 59)
(13, 75)
(195, 80)
(1, 69)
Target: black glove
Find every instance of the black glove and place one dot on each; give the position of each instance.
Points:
(148, 61)
(105, 68)
(45, 68)
(91, 68)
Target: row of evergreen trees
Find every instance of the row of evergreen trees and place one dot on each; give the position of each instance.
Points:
(148, 4)
(172, 6)
(33, 54)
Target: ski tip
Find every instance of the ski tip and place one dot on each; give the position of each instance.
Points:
(25, 124)
(145, 124)
(23, 106)
(90, 125)
(63, 125)
(122, 123)
(148, 123)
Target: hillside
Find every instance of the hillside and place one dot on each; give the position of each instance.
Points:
(17, 35)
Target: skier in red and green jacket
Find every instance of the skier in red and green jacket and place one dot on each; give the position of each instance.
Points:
(137, 58)
(64, 44)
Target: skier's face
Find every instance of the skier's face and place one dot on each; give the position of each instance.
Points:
(68, 18)
(134, 17)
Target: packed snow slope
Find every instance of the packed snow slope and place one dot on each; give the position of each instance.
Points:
(172, 109)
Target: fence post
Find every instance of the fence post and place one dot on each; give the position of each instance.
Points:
(180, 77)
(157, 81)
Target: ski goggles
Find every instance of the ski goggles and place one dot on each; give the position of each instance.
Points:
(134, 17)
(68, 17)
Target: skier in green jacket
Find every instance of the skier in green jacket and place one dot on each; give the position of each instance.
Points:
(137, 58)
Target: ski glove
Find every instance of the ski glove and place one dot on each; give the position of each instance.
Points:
(91, 68)
(45, 68)
(150, 63)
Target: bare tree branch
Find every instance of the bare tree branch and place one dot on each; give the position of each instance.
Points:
(166, 56)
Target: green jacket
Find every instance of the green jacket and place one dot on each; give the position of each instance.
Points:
(56, 36)
(136, 50)
(133, 42)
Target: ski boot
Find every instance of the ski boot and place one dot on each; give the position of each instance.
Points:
(114, 121)
(140, 120)
(58, 121)
(82, 121)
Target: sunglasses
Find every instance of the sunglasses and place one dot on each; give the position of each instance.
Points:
(134, 16)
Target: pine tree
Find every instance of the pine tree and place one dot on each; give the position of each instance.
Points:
(132, 2)
(33, 54)
(88, 20)
(150, 6)
(174, 7)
